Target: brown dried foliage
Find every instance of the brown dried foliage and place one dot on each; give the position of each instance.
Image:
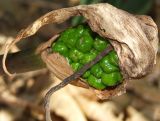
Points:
(134, 37)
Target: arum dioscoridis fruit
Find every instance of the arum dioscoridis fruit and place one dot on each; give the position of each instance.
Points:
(134, 37)
(79, 45)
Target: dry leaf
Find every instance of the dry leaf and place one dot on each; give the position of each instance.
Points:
(102, 112)
(5, 116)
(70, 99)
(99, 112)
(134, 37)
(144, 88)
(134, 115)
(63, 104)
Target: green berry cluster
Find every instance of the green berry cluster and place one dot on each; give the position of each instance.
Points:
(79, 45)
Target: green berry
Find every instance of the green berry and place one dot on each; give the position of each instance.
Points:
(100, 44)
(96, 83)
(69, 37)
(84, 43)
(93, 51)
(111, 79)
(61, 48)
(75, 55)
(113, 58)
(86, 74)
(75, 66)
(80, 30)
(107, 66)
(96, 70)
(87, 58)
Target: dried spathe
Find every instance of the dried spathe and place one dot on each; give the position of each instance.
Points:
(135, 38)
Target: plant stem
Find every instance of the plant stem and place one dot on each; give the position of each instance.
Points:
(23, 61)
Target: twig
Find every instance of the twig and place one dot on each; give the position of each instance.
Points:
(67, 80)
(23, 61)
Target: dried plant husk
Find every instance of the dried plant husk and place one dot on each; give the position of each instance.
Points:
(134, 37)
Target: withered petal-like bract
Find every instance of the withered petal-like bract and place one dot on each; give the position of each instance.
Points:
(134, 37)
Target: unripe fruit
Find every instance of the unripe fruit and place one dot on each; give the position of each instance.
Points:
(79, 46)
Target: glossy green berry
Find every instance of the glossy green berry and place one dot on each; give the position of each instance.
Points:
(113, 58)
(96, 70)
(84, 43)
(93, 51)
(96, 83)
(75, 66)
(86, 74)
(79, 30)
(65, 34)
(88, 29)
(69, 37)
(107, 66)
(75, 55)
(111, 79)
(100, 44)
(87, 58)
(61, 48)
(81, 65)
